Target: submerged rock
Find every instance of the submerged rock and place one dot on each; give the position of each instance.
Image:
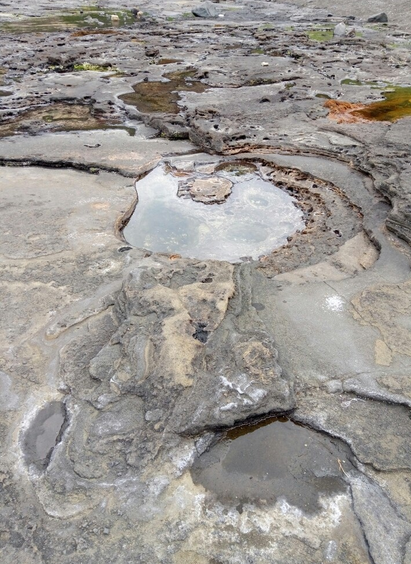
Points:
(208, 190)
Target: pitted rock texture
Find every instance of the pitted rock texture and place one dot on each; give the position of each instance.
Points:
(145, 344)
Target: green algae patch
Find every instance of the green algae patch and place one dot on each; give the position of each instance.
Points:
(396, 105)
(354, 82)
(320, 34)
(92, 67)
(87, 17)
(258, 51)
(161, 96)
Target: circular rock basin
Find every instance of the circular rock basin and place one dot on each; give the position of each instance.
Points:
(274, 460)
(256, 217)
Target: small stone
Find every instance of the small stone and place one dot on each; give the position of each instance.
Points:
(334, 386)
(264, 64)
(204, 10)
(114, 18)
(378, 18)
(151, 52)
(340, 30)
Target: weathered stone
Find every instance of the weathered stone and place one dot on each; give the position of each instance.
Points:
(206, 190)
(340, 30)
(381, 17)
(358, 422)
(204, 10)
(386, 531)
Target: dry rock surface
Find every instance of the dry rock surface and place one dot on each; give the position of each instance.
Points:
(128, 376)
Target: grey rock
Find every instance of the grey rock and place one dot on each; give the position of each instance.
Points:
(359, 423)
(340, 30)
(205, 10)
(386, 531)
(378, 18)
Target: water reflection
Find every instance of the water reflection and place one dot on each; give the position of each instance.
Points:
(256, 218)
(272, 460)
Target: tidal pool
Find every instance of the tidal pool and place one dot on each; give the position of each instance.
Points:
(255, 219)
(273, 460)
(42, 435)
(163, 96)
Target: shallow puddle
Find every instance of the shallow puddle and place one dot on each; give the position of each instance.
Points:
(161, 96)
(255, 219)
(87, 17)
(43, 433)
(58, 117)
(273, 460)
(396, 105)
(168, 61)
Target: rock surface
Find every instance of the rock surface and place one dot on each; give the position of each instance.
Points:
(122, 369)
(204, 10)
(378, 18)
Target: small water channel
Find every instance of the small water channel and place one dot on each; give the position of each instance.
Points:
(230, 213)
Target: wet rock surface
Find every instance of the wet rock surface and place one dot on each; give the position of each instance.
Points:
(126, 372)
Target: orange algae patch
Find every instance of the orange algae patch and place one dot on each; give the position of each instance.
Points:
(342, 112)
(396, 105)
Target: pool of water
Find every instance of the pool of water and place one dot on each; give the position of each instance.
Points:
(163, 96)
(90, 17)
(273, 460)
(396, 105)
(42, 435)
(255, 219)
